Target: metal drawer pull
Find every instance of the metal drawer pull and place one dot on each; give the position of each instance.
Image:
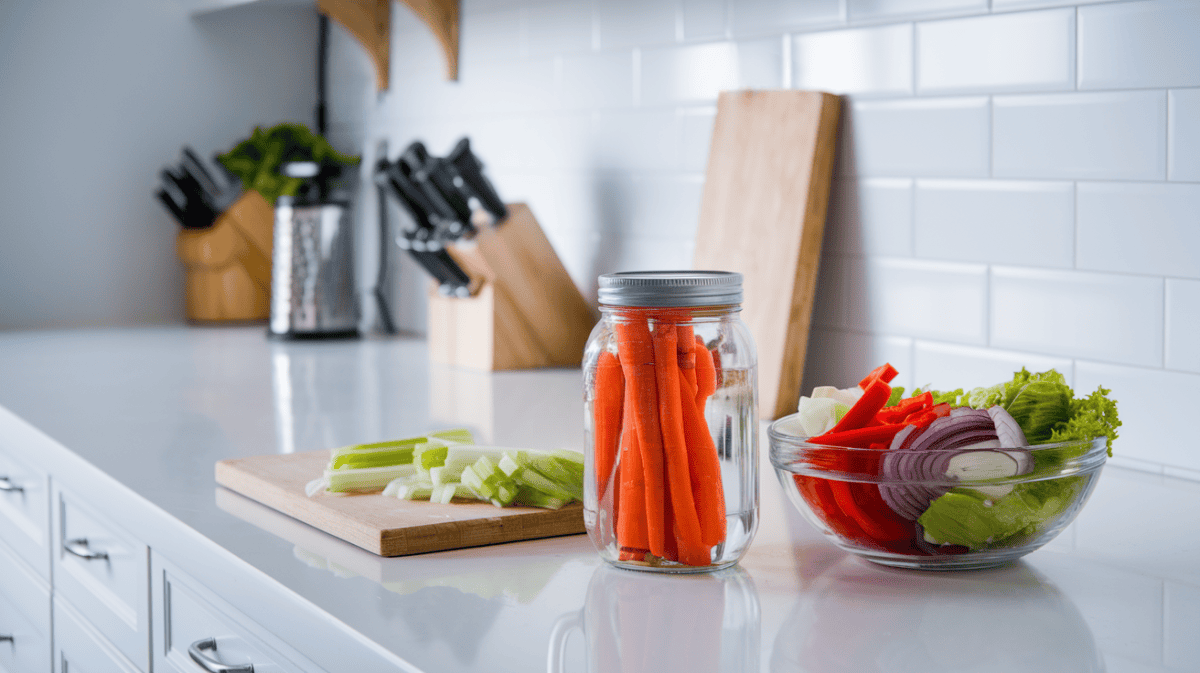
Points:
(7, 485)
(196, 652)
(7, 639)
(79, 547)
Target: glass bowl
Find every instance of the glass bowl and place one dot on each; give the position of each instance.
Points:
(886, 507)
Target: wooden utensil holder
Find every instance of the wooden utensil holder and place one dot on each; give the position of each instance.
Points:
(525, 312)
(228, 265)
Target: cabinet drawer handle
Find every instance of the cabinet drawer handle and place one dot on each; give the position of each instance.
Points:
(7, 639)
(7, 485)
(79, 547)
(196, 652)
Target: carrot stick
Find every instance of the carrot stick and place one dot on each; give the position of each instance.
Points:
(630, 515)
(705, 468)
(679, 486)
(607, 404)
(636, 353)
(706, 375)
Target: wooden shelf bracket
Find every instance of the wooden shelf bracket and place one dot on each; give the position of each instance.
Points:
(369, 21)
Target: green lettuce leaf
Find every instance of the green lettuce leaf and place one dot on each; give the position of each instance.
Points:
(1091, 416)
(974, 520)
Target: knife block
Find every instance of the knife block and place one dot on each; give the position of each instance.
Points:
(227, 267)
(525, 312)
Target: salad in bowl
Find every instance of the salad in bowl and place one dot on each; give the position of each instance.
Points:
(944, 479)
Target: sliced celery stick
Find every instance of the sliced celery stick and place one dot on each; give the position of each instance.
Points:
(393, 486)
(366, 479)
(391, 452)
(505, 493)
(316, 486)
(508, 464)
(458, 458)
(535, 480)
(375, 458)
(460, 435)
(533, 498)
(415, 490)
(553, 469)
(472, 479)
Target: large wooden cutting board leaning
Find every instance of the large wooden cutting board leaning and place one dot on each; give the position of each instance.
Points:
(384, 525)
(763, 215)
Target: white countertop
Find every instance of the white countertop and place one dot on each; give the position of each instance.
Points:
(155, 408)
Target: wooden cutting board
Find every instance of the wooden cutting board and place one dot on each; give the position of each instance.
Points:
(387, 526)
(762, 214)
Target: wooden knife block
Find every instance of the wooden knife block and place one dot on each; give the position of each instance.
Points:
(228, 265)
(525, 312)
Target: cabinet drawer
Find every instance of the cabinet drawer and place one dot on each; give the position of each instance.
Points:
(78, 648)
(104, 572)
(24, 618)
(196, 631)
(25, 511)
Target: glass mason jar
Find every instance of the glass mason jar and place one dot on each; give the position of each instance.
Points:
(671, 416)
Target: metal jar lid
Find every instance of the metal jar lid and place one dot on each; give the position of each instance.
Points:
(671, 288)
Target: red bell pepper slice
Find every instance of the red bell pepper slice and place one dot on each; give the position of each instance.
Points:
(860, 438)
(904, 409)
(873, 398)
(885, 372)
(928, 416)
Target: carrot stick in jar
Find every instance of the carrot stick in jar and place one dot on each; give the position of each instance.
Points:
(636, 353)
(679, 487)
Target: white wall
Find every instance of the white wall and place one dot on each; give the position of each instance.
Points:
(95, 98)
(1018, 183)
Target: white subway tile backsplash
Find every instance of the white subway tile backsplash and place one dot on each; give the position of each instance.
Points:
(1008, 222)
(696, 126)
(857, 61)
(949, 366)
(1183, 325)
(870, 216)
(937, 137)
(525, 86)
(984, 216)
(1028, 51)
(636, 141)
(1181, 617)
(755, 17)
(1110, 135)
(697, 73)
(489, 36)
(1074, 314)
(559, 27)
(703, 19)
(1147, 400)
(870, 10)
(1131, 45)
(1010, 5)
(931, 300)
(760, 63)
(688, 74)
(635, 23)
(1183, 133)
(615, 252)
(837, 358)
(1148, 228)
(651, 206)
(597, 80)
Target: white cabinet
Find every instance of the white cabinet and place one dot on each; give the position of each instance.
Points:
(25, 509)
(103, 572)
(195, 630)
(79, 648)
(24, 618)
